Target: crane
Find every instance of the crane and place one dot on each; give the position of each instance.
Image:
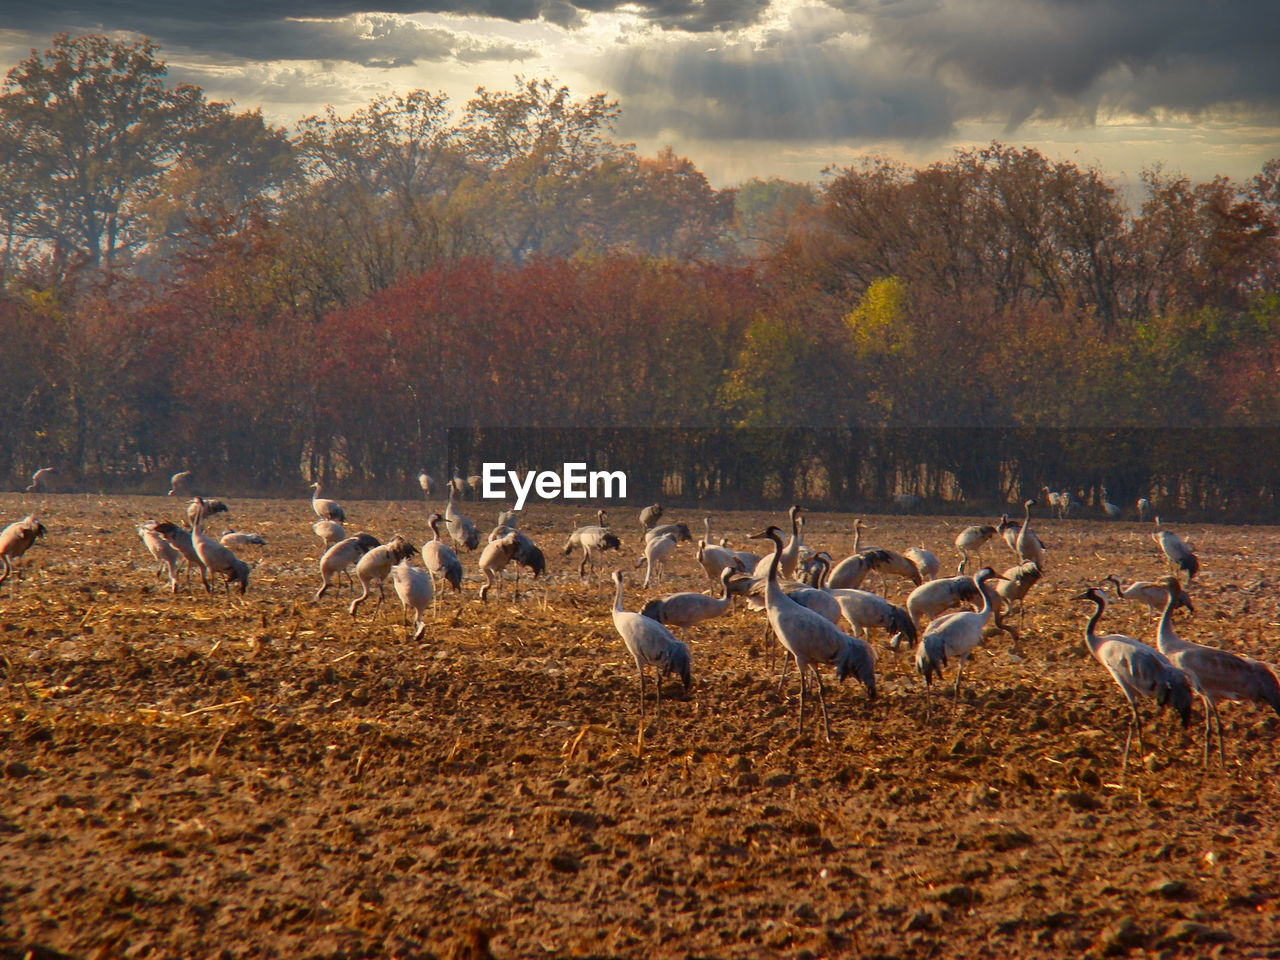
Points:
(164, 552)
(649, 516)
(955, 635)
(217, 558)
(1028, 544)
(461, 530)
(326, 509)
(971, 540)
(790, 553)
(685, 610)
(375, 566)
(38, 478)
(340, 556)
(16, 539)
(330, 531)
(656, 553)
(592, 540)
(813, 639)
(180, 538)
(1137, 669)
(1179, 554)
(180, 483)
(415, 588)
(652, 645)
(926, 562)
(715, 559)
(1215, 674)
(439, 558)
(1110, 509)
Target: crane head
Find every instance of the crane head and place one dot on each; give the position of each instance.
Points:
(770, 532)
(1090, 593)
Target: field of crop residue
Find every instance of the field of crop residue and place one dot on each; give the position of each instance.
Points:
(184, 776)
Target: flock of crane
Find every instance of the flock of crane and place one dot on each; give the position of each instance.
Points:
(805, 595)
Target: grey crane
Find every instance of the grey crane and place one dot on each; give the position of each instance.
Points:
(461, 530)
(1151, 592)
(678, 530)
(1179, 554)
(746, 557)
(1137, 669)
(971, 540)
(790, 553)
(1028, 544)
(180, 483)
(217, 558)
(1110, 509)
(330, 531)
(1015, 584)
(954, 636)
(242, 538)
(164, 552)
(651, 645)
(326, 509)
(656, 554)
(201, 508)
(335, 561)
(1144, 509)
(16, 539)
(439, 557)
(1215, 674)
(592, 540)
(813, 639)
(375, 566)
(427, 483)
(937, 596)
(926, 562)
(180, 539)
(416, 588)
(38, 478)
(650, 516)
(716, 559)
(688, 609)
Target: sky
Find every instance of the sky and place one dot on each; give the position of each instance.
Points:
(758, 88)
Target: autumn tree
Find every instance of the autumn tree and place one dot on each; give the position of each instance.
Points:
(99, 127)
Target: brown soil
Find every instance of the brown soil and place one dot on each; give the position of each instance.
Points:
(188, 777)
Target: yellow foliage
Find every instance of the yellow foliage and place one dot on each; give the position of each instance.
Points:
(877, 324)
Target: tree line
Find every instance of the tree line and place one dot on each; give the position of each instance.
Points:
(363, 296)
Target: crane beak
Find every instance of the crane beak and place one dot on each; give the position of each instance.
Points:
(1082, 596)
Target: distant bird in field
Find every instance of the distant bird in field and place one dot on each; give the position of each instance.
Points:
(326, 509)
(427, 483)
(1151, 592)
(650, 516)
(1029, 546)
(215, 557)
(164, 552)
(1144, 509)
(16, 539)
(593, 540)
(971, 540)
(38, 478)
(180, 484)
(1110, 509)
(330, 531)
(1180, 555)
(201, 509)
(240, 538)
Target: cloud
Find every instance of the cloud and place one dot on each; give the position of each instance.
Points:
(238, 27)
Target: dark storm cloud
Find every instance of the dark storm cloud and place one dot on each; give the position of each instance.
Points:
(869, 70)
(1056, 56)
(242, 27)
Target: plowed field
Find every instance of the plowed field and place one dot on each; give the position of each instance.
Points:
(185, 776)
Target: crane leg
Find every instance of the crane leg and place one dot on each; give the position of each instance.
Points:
(1222, 755)
(786, 662)
(657, 682)
(1208, 729)
(955, 703)
(801, 671)
(822, 700)
(641, 667)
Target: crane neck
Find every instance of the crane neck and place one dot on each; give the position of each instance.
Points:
(1165, 636)
(617, 600)
(1090, 628)
(979, 581)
